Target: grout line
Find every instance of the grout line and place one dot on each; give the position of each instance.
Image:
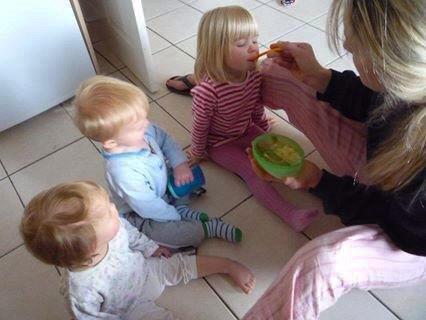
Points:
(171, 116)
(294, 17)
(109, 61)
(17, 193)
(10, 251)
(238, 204)
(5, 171)
(45, 156)
(162, 37)
(166, 12)
(384, 305)
(189, 5)
(220, 298)
(57, 270)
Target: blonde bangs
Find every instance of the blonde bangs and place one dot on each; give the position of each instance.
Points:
(217, 30)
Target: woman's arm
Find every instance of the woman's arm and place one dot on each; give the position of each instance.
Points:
(346, 93)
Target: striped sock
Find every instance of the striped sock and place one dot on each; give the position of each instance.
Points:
(189, 214)
(216, 228)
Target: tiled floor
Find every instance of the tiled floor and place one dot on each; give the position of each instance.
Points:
(48, 149)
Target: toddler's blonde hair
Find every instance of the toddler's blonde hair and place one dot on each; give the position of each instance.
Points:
(105, 104)
(217, 30)
(57, 227)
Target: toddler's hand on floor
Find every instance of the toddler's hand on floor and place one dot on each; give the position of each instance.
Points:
(183, 174)
(162, 252)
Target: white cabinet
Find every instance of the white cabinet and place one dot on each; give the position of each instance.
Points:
(43, 57)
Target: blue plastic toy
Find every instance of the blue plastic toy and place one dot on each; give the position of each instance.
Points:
(193, 187)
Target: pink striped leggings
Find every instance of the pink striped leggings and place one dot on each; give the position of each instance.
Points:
(331, 265)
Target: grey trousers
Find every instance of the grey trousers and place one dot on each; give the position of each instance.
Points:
(174, 234)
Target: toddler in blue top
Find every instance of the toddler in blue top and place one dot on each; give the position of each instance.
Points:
(138, 157)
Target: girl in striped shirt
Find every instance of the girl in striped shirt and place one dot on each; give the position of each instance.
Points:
(227, 109)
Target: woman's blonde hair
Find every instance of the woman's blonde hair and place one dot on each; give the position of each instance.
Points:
(217, 30)
(393, 33)
(57, 227)
(105, 104)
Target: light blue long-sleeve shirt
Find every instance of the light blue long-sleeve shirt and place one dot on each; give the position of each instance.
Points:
(138, 180)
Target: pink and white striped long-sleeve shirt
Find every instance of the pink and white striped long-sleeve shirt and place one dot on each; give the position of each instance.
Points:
(222, 112)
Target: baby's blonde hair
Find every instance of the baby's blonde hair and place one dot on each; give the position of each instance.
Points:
(217, 30)
(393, 33)
(57, 227)
(105, 104)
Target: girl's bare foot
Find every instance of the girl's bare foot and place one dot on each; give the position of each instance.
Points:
(242, 276)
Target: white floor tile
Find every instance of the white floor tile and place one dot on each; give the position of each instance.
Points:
(157, 43)
(98, 30)
(29, 289)
(281, 113)
(177, 25)
(224, 191)
(358, 305)
(194, 301)
(2, 172)
(124, 75)
(35, 138)
(343, 63)
(10, 217)
(272, 24)
(320, 22)
(170, 62)
(316, 158)
(316, 38)
(104, 49)
(407, 303)
(179, 107)
(159, 117)
(266, 246)
(152, 9)
(105, 67)
(189, 46)
(79, 161)
(305, 10)
(206, 5)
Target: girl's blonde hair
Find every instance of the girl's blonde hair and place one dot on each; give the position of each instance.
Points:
(104, 105)
(393, 33)
(217, 30)
(57, 227)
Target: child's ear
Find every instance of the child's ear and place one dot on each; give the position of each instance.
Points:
(109, 144)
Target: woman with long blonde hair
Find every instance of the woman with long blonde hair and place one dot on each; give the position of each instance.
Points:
(371, 130)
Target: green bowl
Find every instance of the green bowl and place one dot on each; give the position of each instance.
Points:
(267, 150)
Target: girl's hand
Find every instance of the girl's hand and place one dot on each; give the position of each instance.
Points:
(309, 175)
(162, 252)
(192, 160)
(183, 174)
(300, 59)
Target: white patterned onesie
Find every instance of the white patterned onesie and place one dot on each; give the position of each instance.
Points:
(126, 283)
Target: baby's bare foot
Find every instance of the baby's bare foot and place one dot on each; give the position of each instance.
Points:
(242, 276)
